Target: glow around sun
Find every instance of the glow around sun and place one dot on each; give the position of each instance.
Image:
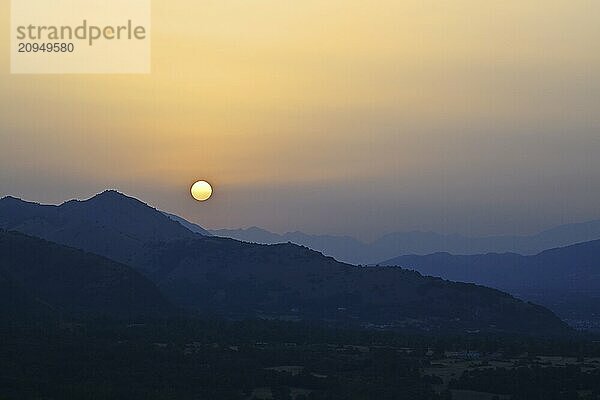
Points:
(201, 190)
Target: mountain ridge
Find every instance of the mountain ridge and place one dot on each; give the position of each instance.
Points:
(187, 224)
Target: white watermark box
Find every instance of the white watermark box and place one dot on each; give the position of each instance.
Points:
(80, 36)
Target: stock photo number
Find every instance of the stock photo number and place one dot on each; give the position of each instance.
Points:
(46, 47)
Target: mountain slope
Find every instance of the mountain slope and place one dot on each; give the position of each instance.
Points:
(238, 279)
(566, 279)
(18, 306)
(187, 224)
(342, 248)
(72, 282)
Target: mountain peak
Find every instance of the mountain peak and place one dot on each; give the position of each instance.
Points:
(111, 192)
(12, 199)
(112, 195)
(111, 199)
(8, 198)
(107, 220)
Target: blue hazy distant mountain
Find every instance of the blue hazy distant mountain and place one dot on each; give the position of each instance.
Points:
(565, 279)
(351, 250)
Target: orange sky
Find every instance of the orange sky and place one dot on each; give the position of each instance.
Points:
(337, 116)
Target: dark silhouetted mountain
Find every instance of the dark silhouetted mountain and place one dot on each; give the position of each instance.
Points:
(109, 224)
(348, 249)
(189, 225)
(236, 279)
(243, 279)
(17, 306)
(40, 277)
(565, 279)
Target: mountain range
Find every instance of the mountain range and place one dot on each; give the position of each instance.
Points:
(351, 250)
(239, 280)
(567, 279)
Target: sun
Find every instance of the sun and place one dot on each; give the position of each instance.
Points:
(201, 190)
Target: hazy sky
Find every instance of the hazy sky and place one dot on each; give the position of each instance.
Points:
(342, 116)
